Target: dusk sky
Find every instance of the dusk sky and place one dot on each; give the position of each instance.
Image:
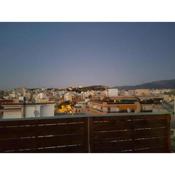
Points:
(69, 54)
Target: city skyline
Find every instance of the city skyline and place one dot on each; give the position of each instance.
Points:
(67, 54)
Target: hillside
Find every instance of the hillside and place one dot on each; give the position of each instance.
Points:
(163, 84)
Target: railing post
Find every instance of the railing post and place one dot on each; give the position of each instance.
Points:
(89, 135)
(132, 133)
(168, 134)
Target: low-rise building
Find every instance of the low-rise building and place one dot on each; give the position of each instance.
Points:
(142, 92)
(119, 104)
(27, 110)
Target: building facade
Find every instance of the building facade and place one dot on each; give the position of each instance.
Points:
(28, 110)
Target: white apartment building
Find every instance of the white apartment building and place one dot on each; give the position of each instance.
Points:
(112, 92)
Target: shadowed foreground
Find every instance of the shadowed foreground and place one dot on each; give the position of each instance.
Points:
(113, 133)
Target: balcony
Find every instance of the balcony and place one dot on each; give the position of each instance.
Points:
(109, 133)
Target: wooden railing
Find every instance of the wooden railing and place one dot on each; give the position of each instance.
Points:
(81, 134)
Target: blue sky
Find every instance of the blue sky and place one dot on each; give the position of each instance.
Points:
(67, 54)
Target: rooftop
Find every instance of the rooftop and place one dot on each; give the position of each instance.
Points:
(87, 115)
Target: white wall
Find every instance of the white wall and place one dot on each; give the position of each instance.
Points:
(112, 92)
(30, 111)
(43, 110)
(12, 114)
(47, 110)
(12, 111)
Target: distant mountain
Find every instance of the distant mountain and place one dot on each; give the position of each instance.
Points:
(88, 88)
(162, 84)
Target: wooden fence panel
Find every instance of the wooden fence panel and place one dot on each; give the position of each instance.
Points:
(99, 134)
(130, 134)
(44, 135)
